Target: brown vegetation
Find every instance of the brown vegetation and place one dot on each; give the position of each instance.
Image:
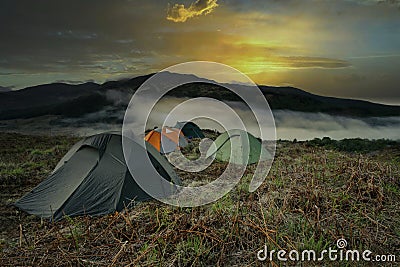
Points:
(312, 197)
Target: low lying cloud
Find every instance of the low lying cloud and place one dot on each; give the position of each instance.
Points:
(313, 62)
(179, 13)
(306, 126)
(289, 124)
(119, 97)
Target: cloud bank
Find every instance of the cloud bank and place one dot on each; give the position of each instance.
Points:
(289, 124)
(179, 13)
(307, 126)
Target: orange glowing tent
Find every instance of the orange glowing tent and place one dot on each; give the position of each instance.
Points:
(166, 140)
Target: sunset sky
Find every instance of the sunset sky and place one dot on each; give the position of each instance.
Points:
(345, 48)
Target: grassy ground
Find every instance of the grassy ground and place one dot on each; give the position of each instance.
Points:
(312, 197)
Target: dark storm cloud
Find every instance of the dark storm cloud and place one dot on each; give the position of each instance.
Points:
(314, 44)
(66, 35)
(381, 2)
(314, 62)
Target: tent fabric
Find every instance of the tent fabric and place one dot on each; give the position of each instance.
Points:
(93, 179)
(190, 129)
(166, 140)
(242, 144)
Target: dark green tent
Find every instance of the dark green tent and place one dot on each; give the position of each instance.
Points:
(189, 129)
(235, 140)
(93, 179)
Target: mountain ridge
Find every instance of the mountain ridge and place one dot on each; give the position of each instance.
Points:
(79, 99)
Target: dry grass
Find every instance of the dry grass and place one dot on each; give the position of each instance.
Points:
(311, 197)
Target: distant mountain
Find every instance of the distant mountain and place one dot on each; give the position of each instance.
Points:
(77, 100)
(299, 100)
(51, 99)
(4, 89)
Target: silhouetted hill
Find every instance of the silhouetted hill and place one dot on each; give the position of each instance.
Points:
(76, 100)
(299, 100)
(4, 89)
(133, 83)
(295, 99)
(52, 99)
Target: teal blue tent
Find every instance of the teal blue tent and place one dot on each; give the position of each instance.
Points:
(190, 129)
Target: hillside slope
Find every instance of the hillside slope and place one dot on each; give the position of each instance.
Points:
(77, 100)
